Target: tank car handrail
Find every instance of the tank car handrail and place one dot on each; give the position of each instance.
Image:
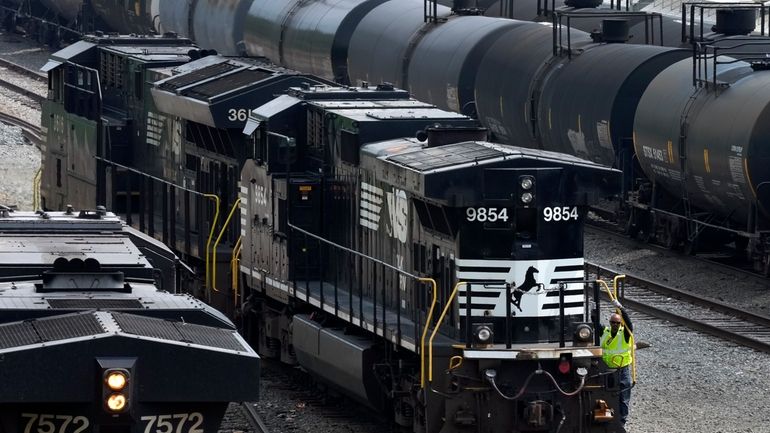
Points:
(716, 5)
(216, 244)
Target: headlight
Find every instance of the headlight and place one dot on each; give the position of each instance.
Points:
(116, 402)
(526, 183)
(526, 197)
(484, 334)
(584, 333)
(116, 380)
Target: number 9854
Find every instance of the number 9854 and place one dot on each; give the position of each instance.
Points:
(563, 213)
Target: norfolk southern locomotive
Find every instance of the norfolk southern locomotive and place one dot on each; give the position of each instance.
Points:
(441, 279)
(93, 337)
(531, 85)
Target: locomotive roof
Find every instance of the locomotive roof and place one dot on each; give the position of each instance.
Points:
(36, 240)
(208, 89)
(146, 49)
(405, 152)
(431, 172)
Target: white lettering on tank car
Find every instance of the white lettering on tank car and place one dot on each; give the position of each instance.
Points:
(578, 141)
(603, 133)
(736, 170)
(656, 154)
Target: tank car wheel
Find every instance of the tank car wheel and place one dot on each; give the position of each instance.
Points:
(671, 238)
(632, 224)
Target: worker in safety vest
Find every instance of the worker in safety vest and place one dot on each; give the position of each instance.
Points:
(617, 341)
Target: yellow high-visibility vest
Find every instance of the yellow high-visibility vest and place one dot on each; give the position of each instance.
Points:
(616, 352)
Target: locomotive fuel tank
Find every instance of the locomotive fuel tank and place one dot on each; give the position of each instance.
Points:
(444, 65)
(715, 146)
(381, 45)
(569, 125)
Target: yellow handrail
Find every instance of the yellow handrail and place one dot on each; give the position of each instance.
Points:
(425, 330)
(234, 271)
(36, 182)
(211, 234)
(216, 243)
(438, 325)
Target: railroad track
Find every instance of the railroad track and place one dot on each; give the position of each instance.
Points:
(21, 70)
(30, 131)
(35, 75)
(695, 312)
(253, 417)
(713, 259)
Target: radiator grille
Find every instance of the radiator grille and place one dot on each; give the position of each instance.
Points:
(60, 328)
(49, 329)
(198, 75)
(95, 304)
(178, 331)
(17, 334)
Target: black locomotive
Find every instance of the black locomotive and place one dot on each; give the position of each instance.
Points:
(440, 279)
(94, 336)
(534, 84)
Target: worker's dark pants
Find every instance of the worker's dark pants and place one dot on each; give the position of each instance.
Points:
(625, 392)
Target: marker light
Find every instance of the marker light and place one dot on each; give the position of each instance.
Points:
(116, 380)
(116, 402)
(526, 183)
(526, 197)
(564, 366)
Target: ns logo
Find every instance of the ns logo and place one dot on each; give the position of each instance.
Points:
(398, 214)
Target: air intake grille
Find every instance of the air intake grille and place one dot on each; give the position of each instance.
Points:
(224, 84)
(17, 334)
(60, 328)
(95, 304)
(49, 329)
(178, 331)
(198, 75)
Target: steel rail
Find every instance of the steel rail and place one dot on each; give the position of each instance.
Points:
(35, 75)
(32, 132)
(253, 417)
(744, 330)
